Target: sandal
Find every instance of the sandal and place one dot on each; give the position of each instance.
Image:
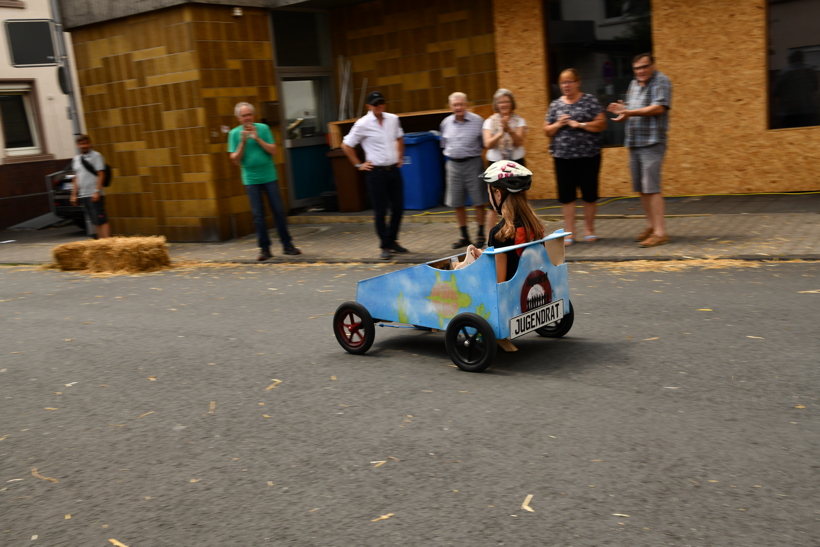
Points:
(591, 238)
(644, 235)
(568, 241)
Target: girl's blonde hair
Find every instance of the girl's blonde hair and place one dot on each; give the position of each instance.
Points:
(517, 206)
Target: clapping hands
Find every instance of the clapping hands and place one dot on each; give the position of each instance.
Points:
(249, 132)
(620, 111)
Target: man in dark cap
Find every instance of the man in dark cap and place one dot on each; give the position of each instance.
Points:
(382, 139)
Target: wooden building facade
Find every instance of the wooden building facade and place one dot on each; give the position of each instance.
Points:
(158, 87)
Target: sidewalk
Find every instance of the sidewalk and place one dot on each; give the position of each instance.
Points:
(739, 227)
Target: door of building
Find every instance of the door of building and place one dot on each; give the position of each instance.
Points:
(304, 74)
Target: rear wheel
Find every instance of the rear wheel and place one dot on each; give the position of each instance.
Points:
(559, 328)
(353, 327)
(470, 342)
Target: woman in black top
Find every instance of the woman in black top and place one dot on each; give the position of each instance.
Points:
(574, 123)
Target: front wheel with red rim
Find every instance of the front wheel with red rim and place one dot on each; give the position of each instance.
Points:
(353, 327)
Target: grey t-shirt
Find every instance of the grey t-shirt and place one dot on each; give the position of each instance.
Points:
(85, 180)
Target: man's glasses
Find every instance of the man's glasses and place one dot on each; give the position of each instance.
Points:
(641, 67)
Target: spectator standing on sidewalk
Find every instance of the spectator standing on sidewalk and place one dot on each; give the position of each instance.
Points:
(382, 139)
(505, 131)
(574, 123)
(463, 141)
(252, 148)
(89, 169)
(646, 113)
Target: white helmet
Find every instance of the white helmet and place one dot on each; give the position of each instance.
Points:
(509, 175)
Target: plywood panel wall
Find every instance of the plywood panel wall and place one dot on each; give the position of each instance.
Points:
(522, 68)
(715, 54)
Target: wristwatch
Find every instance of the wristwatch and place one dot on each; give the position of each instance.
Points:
(358, 166)
(584, 125)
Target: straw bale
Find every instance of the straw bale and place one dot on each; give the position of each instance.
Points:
(71, 256)
(114, 254)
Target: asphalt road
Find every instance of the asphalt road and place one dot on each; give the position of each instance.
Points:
(682, 409)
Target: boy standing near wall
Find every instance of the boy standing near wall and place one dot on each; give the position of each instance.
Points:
(89, 168)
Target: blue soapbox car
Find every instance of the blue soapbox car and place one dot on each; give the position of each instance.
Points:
(474, 310)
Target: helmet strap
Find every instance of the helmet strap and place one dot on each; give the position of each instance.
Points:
(497, 207)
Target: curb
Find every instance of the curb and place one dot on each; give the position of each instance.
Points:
(422, 260)
(447, 218)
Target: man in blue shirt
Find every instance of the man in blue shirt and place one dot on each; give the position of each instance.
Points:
(646, 113)
(252, 148)
(462, 140)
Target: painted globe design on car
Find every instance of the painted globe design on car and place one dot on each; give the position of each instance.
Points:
(536, 291)
(447, 299)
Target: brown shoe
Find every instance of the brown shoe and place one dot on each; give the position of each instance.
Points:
(654, 241)
(643, 235)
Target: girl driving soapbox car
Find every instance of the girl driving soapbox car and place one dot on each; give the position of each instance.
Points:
(487, 300)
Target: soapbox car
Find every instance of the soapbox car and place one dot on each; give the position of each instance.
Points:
(475, 311)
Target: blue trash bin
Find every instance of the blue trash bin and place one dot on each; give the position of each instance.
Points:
(422, 170)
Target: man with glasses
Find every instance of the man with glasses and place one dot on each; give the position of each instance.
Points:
(252, 148)
(646, 112)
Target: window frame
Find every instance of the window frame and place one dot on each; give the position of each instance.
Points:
(28, 90)
(621, 58)
(770, 82)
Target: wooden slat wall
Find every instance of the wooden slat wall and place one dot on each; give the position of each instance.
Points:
(418, 52)
(156, 88)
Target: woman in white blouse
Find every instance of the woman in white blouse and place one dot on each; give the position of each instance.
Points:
(504, 131)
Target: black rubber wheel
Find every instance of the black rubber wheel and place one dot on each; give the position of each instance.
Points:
(559, 328)
(470, 342)
(353, 327)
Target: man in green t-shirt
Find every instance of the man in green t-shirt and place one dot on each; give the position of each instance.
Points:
(252, 148)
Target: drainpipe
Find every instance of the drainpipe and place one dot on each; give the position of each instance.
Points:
(62, 52)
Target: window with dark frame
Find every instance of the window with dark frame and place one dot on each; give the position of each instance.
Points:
(296, 35)
(18, 123)
(794, 63)
(599, 41)
(31, 42)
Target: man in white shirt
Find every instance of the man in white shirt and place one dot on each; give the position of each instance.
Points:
(89, 176)
(463, 143)
(382, 139)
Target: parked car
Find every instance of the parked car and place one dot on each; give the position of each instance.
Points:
(62, 183)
